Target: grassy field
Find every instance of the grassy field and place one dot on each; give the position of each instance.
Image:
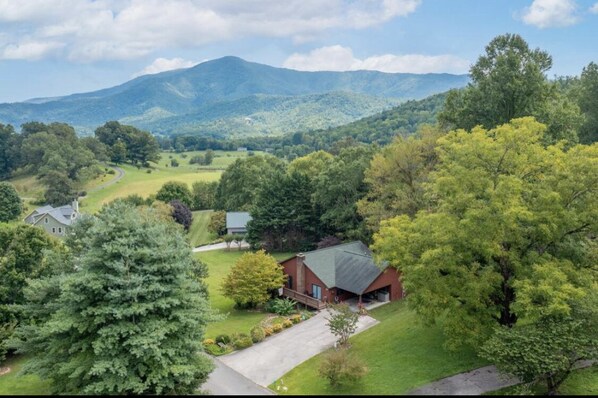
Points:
(219, 262)
(13, 384)
(198, 233)
(400, 353)
(138, 181)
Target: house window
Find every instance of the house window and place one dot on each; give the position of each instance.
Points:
(59, 230)
(46, 220)
(316, 292)
(53, 230)
(290, 282)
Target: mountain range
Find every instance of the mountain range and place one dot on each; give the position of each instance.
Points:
(230, 97)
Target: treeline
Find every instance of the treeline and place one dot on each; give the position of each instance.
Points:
(63, 162)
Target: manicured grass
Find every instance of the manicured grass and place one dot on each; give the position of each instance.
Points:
(400, 353)
(14, 384)
(198, 233)
(219, 263)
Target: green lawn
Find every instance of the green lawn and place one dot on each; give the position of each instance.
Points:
(198, 233)
(13, 384)
(400, 353)
(219, 262)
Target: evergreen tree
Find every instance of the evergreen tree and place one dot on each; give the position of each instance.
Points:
(130, 319)
(11, 205)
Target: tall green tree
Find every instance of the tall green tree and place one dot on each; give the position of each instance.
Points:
(508, 82)
(588, 102)
(396, 177)
(8, 144)
(242, 180)
(204, 194)
(11, 205)
(139, 146)
(283, 217)
(130, 320)
(337, 190)
(503, 204)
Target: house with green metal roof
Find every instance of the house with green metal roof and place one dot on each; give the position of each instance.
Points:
(340, 273)
(236, 222)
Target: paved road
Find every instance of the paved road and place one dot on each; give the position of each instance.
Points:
(475, 382)
(266, 362)
(225, 381)
(220, 246)
(121, 174)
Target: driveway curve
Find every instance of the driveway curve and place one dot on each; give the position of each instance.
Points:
(266, 362)
(121, 174)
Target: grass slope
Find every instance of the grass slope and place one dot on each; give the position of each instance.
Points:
(14, 384)
(219, 263)
(198, 233)
(401, 354)
(140, 182)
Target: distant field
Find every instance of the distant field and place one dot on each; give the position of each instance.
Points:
(198, 233)
(139, 181)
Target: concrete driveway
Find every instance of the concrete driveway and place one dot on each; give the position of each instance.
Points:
(266, 362)
(220, 246)
(225, 381)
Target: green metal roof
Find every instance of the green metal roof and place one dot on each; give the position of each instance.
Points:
(349, 266)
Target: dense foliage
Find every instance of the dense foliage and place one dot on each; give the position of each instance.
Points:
(242, 180)
(252, 279)
(127, 143)
(175, 190)
(11, 205)
(129, 320)
(508, 82)
(503, 204)
(181, 214)
(204, 195)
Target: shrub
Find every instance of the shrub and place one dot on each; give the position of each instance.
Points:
(149, 171)
(277, 328)
(223, 338)
(241, 341)
(257, 334)
(287, 323)
(296, 318)
(111, 171)
(208, 342)
(174, 163)
(285, 306)
(340, 369)
(216, 350)
(268, 331)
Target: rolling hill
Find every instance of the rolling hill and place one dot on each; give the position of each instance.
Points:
(230, 96)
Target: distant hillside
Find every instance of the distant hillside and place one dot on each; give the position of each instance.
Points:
(230, 95)
(381, 128)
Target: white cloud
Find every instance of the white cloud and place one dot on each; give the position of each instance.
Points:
(91, 30)
(30, 50)
(339, 58)
(551, 13)
(594, 9)
(164, 64)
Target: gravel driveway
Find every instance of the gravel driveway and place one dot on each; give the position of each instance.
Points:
(266, 362)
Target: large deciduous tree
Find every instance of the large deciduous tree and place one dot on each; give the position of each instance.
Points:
(252, 279)
(396, 177)
(175, 190)
(242, 180)
(130, 318)
(508, 82)
(503, 205)
(588, 102)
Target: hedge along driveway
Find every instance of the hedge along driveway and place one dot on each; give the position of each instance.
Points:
(267, 361)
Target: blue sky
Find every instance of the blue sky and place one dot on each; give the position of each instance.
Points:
(59, 47)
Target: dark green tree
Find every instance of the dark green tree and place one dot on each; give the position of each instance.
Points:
(204, 194)
(118, 152)
(588, 102)
(11, 205)
(61, 190)
(283, 217)
(175, 190)
(130, 320)
(509, 82)
(242, 180)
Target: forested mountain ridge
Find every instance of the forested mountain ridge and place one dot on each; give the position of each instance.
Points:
(195, 95)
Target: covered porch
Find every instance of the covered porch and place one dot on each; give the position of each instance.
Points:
(303, 299)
